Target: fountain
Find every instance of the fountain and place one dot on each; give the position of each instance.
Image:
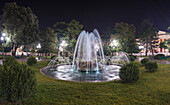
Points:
(89, 62)
(88, 51)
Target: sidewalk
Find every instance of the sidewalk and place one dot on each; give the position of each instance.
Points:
(25, 60)
(158, 61)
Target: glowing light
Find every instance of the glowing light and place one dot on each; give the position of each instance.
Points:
(63, 44)
(2, 38)
(7, 38)
(60, 48)
(39, 45)
(115, 43)
(3, 34)
(141, 47)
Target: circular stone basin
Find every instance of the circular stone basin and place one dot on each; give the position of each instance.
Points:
(65, 72)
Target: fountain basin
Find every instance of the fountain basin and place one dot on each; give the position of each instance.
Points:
(65, 72)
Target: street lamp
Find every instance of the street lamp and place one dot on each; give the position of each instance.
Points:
(62, 46)
(38, 47)
(3, 39)
(114, 43)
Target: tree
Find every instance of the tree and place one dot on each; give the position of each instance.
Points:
(74, 29)
(48, 41)
(125, 35)
(21, 25)
(163, 45)
(147, 34)
(68, 31)
(106, 50)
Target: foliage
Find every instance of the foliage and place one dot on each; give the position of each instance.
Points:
(53, 56)
(17, 82)
(106, 50)
(151, 66)
(125, 34)
(21, 25)
(48, 40)
(158, 56)
(68, 31)
(163, 45)
(147, 34)
(144, 61)
(31, 61)
(132, 57)
(9, 60)
(129, 73)
(137, 63)
(152, 88)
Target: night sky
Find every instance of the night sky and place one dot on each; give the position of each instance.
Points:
(99, 14)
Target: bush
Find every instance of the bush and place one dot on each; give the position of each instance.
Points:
(132, 57)
(158, 56)
(129, 73)
(151, 66)
(137, 63)
(22, 54)
(9, 60)
(17, 82)
(52, 56)
(144, 61)
(31, 61)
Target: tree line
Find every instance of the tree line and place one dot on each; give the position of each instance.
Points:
(22, 27)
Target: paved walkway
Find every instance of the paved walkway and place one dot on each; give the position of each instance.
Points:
(158, 61)
(25, 60)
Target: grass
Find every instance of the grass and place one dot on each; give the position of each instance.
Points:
(152, 88)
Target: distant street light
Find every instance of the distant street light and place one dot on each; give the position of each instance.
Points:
(3, 39)
(114, 43)
(62, 46)
(38, 47)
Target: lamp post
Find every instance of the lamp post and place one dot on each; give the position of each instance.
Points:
(114, 44)
(62, 46)
(3, 39)
(38, 47)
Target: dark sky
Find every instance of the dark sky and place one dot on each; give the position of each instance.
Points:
(98, 14)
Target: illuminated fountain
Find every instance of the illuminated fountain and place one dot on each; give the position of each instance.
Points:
(87, 52)
(88, 64)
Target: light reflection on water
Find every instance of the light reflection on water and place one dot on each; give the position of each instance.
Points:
(65, 72)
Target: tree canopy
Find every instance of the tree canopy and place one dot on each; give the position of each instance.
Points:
(48, 40)
(21, 24)
(125, 35)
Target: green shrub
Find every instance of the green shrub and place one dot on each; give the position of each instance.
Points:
(22, 54)
(144, 61)
(151, 66)
(158, 56)
(129, 73)
(31, 61)
(132, 57)
(9, 60)
(52, 56)
(137, 63)
(17, 82)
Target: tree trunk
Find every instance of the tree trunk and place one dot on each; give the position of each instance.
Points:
(14, 50)
(46, 54)
(146, 47)
(152, 50)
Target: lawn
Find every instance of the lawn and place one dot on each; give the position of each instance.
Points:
(152, 88)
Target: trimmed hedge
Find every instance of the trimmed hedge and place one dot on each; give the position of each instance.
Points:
(144, 61)
(151, 66)
(17, 82)
(158, 56)
(129, 73)
(132, 57)
(31, 61)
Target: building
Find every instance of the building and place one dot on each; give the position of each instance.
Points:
(161, 37)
